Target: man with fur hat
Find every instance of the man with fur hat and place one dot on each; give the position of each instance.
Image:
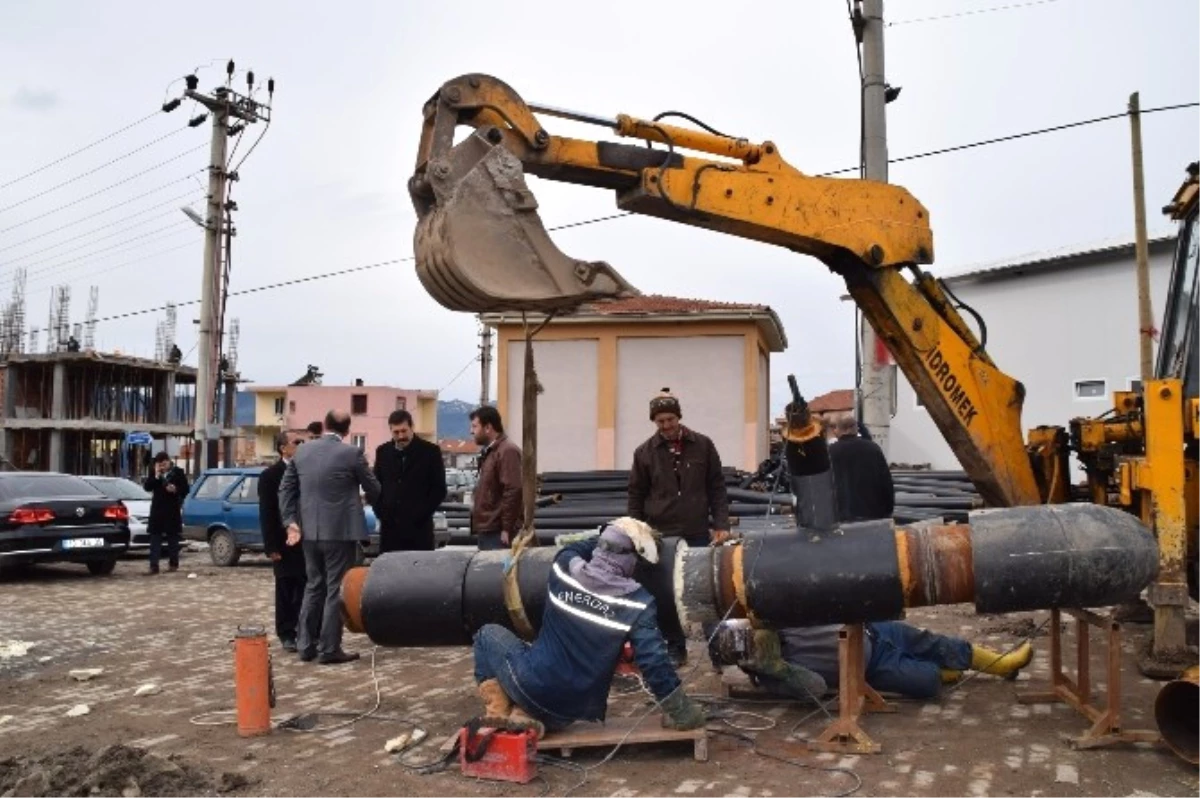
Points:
(593, 606)
(676, 484)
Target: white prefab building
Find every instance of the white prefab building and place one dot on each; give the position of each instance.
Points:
(600, 366)
(1065, 324)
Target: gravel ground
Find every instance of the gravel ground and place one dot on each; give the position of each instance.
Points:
(174, 631)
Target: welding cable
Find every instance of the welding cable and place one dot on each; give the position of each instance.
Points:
(796, 763)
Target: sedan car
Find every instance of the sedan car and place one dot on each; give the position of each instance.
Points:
(221, 509)
(135, 498)
(50, 517)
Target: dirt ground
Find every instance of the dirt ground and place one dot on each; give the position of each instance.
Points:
(174, 631)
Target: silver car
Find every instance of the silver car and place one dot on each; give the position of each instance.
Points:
(135, 499)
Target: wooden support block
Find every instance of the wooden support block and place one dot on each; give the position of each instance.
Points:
(616, 730)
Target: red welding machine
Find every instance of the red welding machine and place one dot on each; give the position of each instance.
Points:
(499, 754)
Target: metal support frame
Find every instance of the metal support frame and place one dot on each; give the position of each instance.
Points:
(855, 696)
(1106, 722)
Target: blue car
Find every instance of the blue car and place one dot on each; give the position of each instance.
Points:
(221, 510)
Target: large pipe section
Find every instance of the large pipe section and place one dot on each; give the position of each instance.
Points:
(1005, 560)
(1176, 710)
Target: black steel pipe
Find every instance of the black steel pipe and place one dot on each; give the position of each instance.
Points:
(1010, 559)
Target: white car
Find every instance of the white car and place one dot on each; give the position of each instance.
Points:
(135, 499)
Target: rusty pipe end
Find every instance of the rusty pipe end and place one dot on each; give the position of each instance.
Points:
(352, 589)
(1175, 713)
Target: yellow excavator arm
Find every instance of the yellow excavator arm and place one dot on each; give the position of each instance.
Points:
(480, 245)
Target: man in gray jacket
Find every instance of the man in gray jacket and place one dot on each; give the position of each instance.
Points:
(322, 510)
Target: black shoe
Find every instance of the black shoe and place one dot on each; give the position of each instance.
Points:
(152, 572)
(678, 655)
(173, 567)
(308, 655)
(289, 645)
(337, 658)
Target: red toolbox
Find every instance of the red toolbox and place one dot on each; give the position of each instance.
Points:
(497, 754)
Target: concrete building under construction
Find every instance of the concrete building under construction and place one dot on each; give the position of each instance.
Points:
(86, 412)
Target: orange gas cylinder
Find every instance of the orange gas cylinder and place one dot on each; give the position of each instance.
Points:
(253, 685)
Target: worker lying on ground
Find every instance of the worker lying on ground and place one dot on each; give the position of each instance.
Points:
(900, 658)
(592, 608)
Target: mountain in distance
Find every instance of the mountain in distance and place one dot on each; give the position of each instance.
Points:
(453, 419)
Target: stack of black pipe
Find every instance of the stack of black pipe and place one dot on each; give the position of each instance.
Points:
(575, 501)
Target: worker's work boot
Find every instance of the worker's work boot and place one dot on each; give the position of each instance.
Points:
(682, 713)
(950, 676)
(497, 706)
(766, 661)
(985, 660)
(520, 719)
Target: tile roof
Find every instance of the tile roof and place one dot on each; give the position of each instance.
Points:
(656, 303)
(457, 446)
(833, 401)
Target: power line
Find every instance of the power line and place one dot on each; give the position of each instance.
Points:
(85, 148)
(134, 176)
(53, 211)
(93, 215)
(120, 247)
(122, 265)
(970, 13)
(1015, 136)
(88, 234)
(99, 168)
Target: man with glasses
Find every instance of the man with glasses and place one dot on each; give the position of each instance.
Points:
(288, 561)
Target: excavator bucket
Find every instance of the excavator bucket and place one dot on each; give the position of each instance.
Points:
(481, 247)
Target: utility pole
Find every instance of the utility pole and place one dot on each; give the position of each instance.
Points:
(485, 359)
(223, 104)
(1145, 311)
(876, 387)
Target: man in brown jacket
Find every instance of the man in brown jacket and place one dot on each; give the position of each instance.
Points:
(497, 512)
(676, 481)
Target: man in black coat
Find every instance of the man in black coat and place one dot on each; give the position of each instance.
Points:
(169, 486)
(290, 574)
(413, 481)
(861, 474)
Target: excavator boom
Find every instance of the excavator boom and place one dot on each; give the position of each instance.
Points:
(481, 247)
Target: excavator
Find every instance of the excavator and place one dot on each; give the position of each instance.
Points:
(480, 246)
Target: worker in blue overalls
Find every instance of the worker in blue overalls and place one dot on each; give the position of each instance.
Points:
(593, 607)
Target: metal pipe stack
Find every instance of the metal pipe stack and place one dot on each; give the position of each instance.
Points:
(574, 501)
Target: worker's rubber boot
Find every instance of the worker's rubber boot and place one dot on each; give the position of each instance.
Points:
(682, 713)
(519, 719)
(950, 676)
(1007, 665)
(497, 706)
(766, 660)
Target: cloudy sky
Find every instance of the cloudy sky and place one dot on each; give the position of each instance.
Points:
(325, 189)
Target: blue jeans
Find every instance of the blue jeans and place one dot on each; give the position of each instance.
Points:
(908, 660)
(493, 645)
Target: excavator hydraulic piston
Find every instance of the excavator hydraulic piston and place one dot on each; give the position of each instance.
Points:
(1022, 558)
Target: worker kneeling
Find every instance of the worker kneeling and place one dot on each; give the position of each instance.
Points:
(900, 658)
(594, 606)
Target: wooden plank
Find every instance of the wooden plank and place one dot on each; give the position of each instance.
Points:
(628, 730)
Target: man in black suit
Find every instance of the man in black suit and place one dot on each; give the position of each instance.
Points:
(290, 575)
(861, 475)
(412, 477)
(169, 487)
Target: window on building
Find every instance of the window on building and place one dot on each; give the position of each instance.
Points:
(1135, 385)
(279, 406)
(292, 407)
(1090, 389)
(360, 441)
(401, 403)
(358, 404)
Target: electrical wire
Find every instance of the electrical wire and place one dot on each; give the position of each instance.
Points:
(970, 13)
(123, 264)
(101, 212)
(111, 251)
(134, 176)
(114, 223)
(86, 244)
(1015, 136)
(795, 762)
(82, 149)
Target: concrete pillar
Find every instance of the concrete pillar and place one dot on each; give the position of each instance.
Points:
(58, 409)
